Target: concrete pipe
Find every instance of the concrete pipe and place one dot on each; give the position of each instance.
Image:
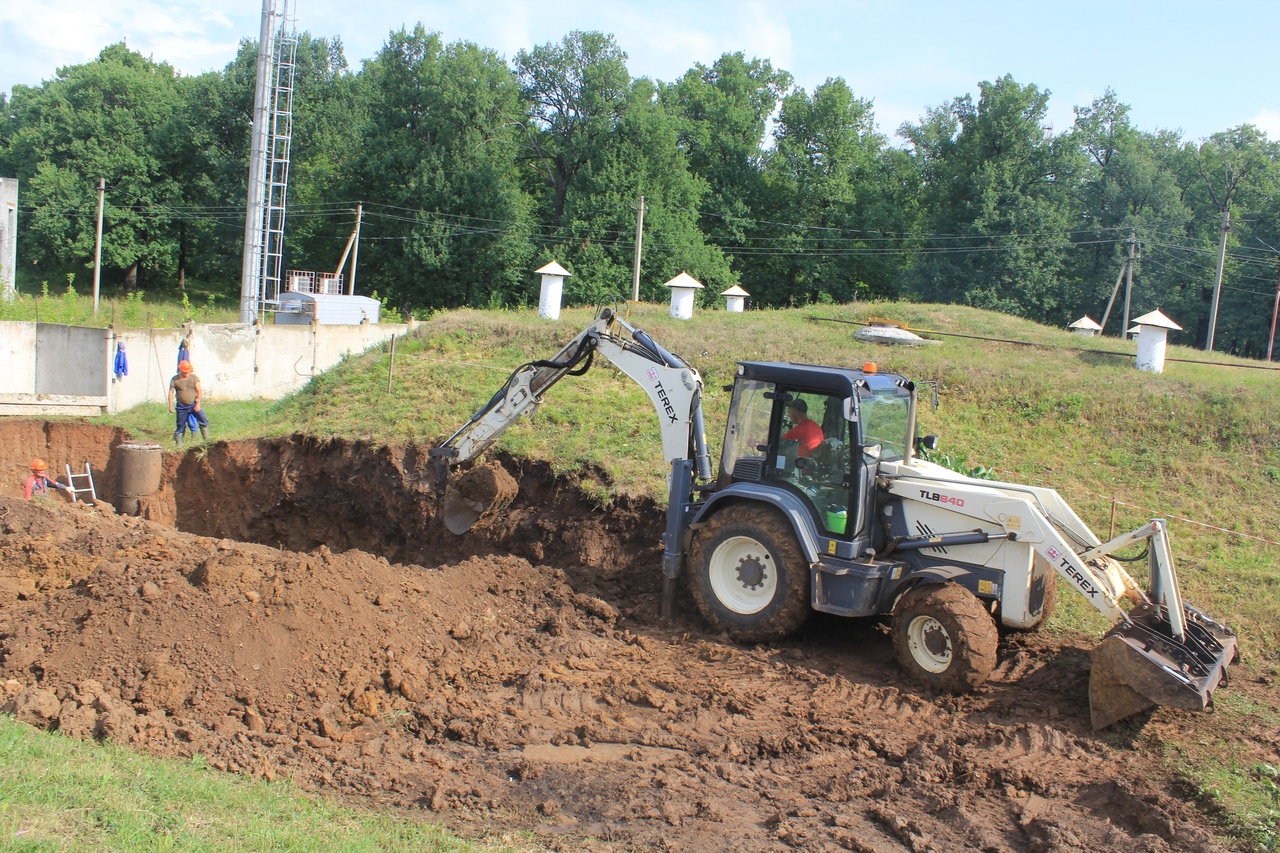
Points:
(141, 466)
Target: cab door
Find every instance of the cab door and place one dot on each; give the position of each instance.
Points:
(822, 476)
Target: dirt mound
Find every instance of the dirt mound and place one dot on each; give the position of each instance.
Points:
(519, 678)
(490, 690)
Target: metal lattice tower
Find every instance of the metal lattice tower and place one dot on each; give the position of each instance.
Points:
(278, 165)
(269, 162)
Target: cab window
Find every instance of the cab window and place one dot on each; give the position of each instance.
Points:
(884, 415)
(747, 431)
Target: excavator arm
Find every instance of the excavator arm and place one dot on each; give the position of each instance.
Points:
(674, 388)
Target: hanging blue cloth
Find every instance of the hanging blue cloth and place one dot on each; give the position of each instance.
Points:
(122, 361)
(192, 423)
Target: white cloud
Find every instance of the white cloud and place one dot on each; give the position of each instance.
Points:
(71, 31)
(1268, 121)
(191, 35)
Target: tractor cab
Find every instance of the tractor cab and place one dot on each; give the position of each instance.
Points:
(818, 434)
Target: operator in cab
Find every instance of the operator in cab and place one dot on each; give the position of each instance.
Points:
(804, 431)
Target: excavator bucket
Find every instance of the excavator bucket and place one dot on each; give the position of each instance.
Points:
(1141, 663)
(477, 497)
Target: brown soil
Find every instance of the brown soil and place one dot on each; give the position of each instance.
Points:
(309, 618)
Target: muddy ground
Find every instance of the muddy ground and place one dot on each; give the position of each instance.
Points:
(308, 617)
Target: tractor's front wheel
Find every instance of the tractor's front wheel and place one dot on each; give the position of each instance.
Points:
(748, 576)
(944, 637)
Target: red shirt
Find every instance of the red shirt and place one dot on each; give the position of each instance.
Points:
(807, 433)
(38, 484)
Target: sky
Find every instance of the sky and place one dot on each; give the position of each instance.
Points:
(1195, 68)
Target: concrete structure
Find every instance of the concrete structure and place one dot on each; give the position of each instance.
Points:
(683, 289)
(553, 276)
(8, 238)
(1153, 330)
(301, 309)
(735, 299)
(1085, 326)
(880, 334)
(47, 369)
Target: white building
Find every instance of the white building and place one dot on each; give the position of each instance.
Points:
(8, 237)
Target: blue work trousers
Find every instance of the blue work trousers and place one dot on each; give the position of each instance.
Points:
(184, 413)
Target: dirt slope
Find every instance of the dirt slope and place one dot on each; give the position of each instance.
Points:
(520, 678)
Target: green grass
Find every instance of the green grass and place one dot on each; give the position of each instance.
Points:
(61, 794)
(1245, 793)
(68, 304)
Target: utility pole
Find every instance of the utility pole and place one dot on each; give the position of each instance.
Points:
(255, 209)
(1274, 311)
(1128, 285)
(353, 243)
(355, 250)
(1124, 265)
(635, 271)
(97, 247)
(1217, 282)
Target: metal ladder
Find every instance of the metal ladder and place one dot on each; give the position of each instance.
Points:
(281, 137)
(77, 491)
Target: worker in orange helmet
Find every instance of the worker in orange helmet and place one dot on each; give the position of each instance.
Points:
(188, 403)
(38, 483)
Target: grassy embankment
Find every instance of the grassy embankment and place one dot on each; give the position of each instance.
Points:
(1196, 444)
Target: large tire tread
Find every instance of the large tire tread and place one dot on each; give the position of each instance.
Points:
(769, 527)
(973, 634)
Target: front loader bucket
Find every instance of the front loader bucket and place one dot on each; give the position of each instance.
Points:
(477, 497)
(1140, 663)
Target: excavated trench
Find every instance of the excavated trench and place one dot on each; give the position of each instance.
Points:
(294, 608)
(299, 493)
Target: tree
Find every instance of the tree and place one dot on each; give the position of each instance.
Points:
(1230, 175)
(576, 93)
(640, 156)
(723, 112)
(996, 191)
(1127, 184)
(449, 224)
(97, 120)
(826, 180)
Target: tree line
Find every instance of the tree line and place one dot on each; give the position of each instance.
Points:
(473, 171)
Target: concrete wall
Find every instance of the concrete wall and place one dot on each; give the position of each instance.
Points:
(237, 361)
(17, 358)
(47, 369)
(234, 362)
(71, 360)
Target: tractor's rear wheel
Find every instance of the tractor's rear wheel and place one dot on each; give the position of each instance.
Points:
(944, 637)
(748, 576)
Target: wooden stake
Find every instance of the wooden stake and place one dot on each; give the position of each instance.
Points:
(391, 365)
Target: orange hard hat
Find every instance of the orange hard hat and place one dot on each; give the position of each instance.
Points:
(38, 465)
(184, 366)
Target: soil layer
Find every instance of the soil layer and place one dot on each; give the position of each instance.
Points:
(310, 618)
